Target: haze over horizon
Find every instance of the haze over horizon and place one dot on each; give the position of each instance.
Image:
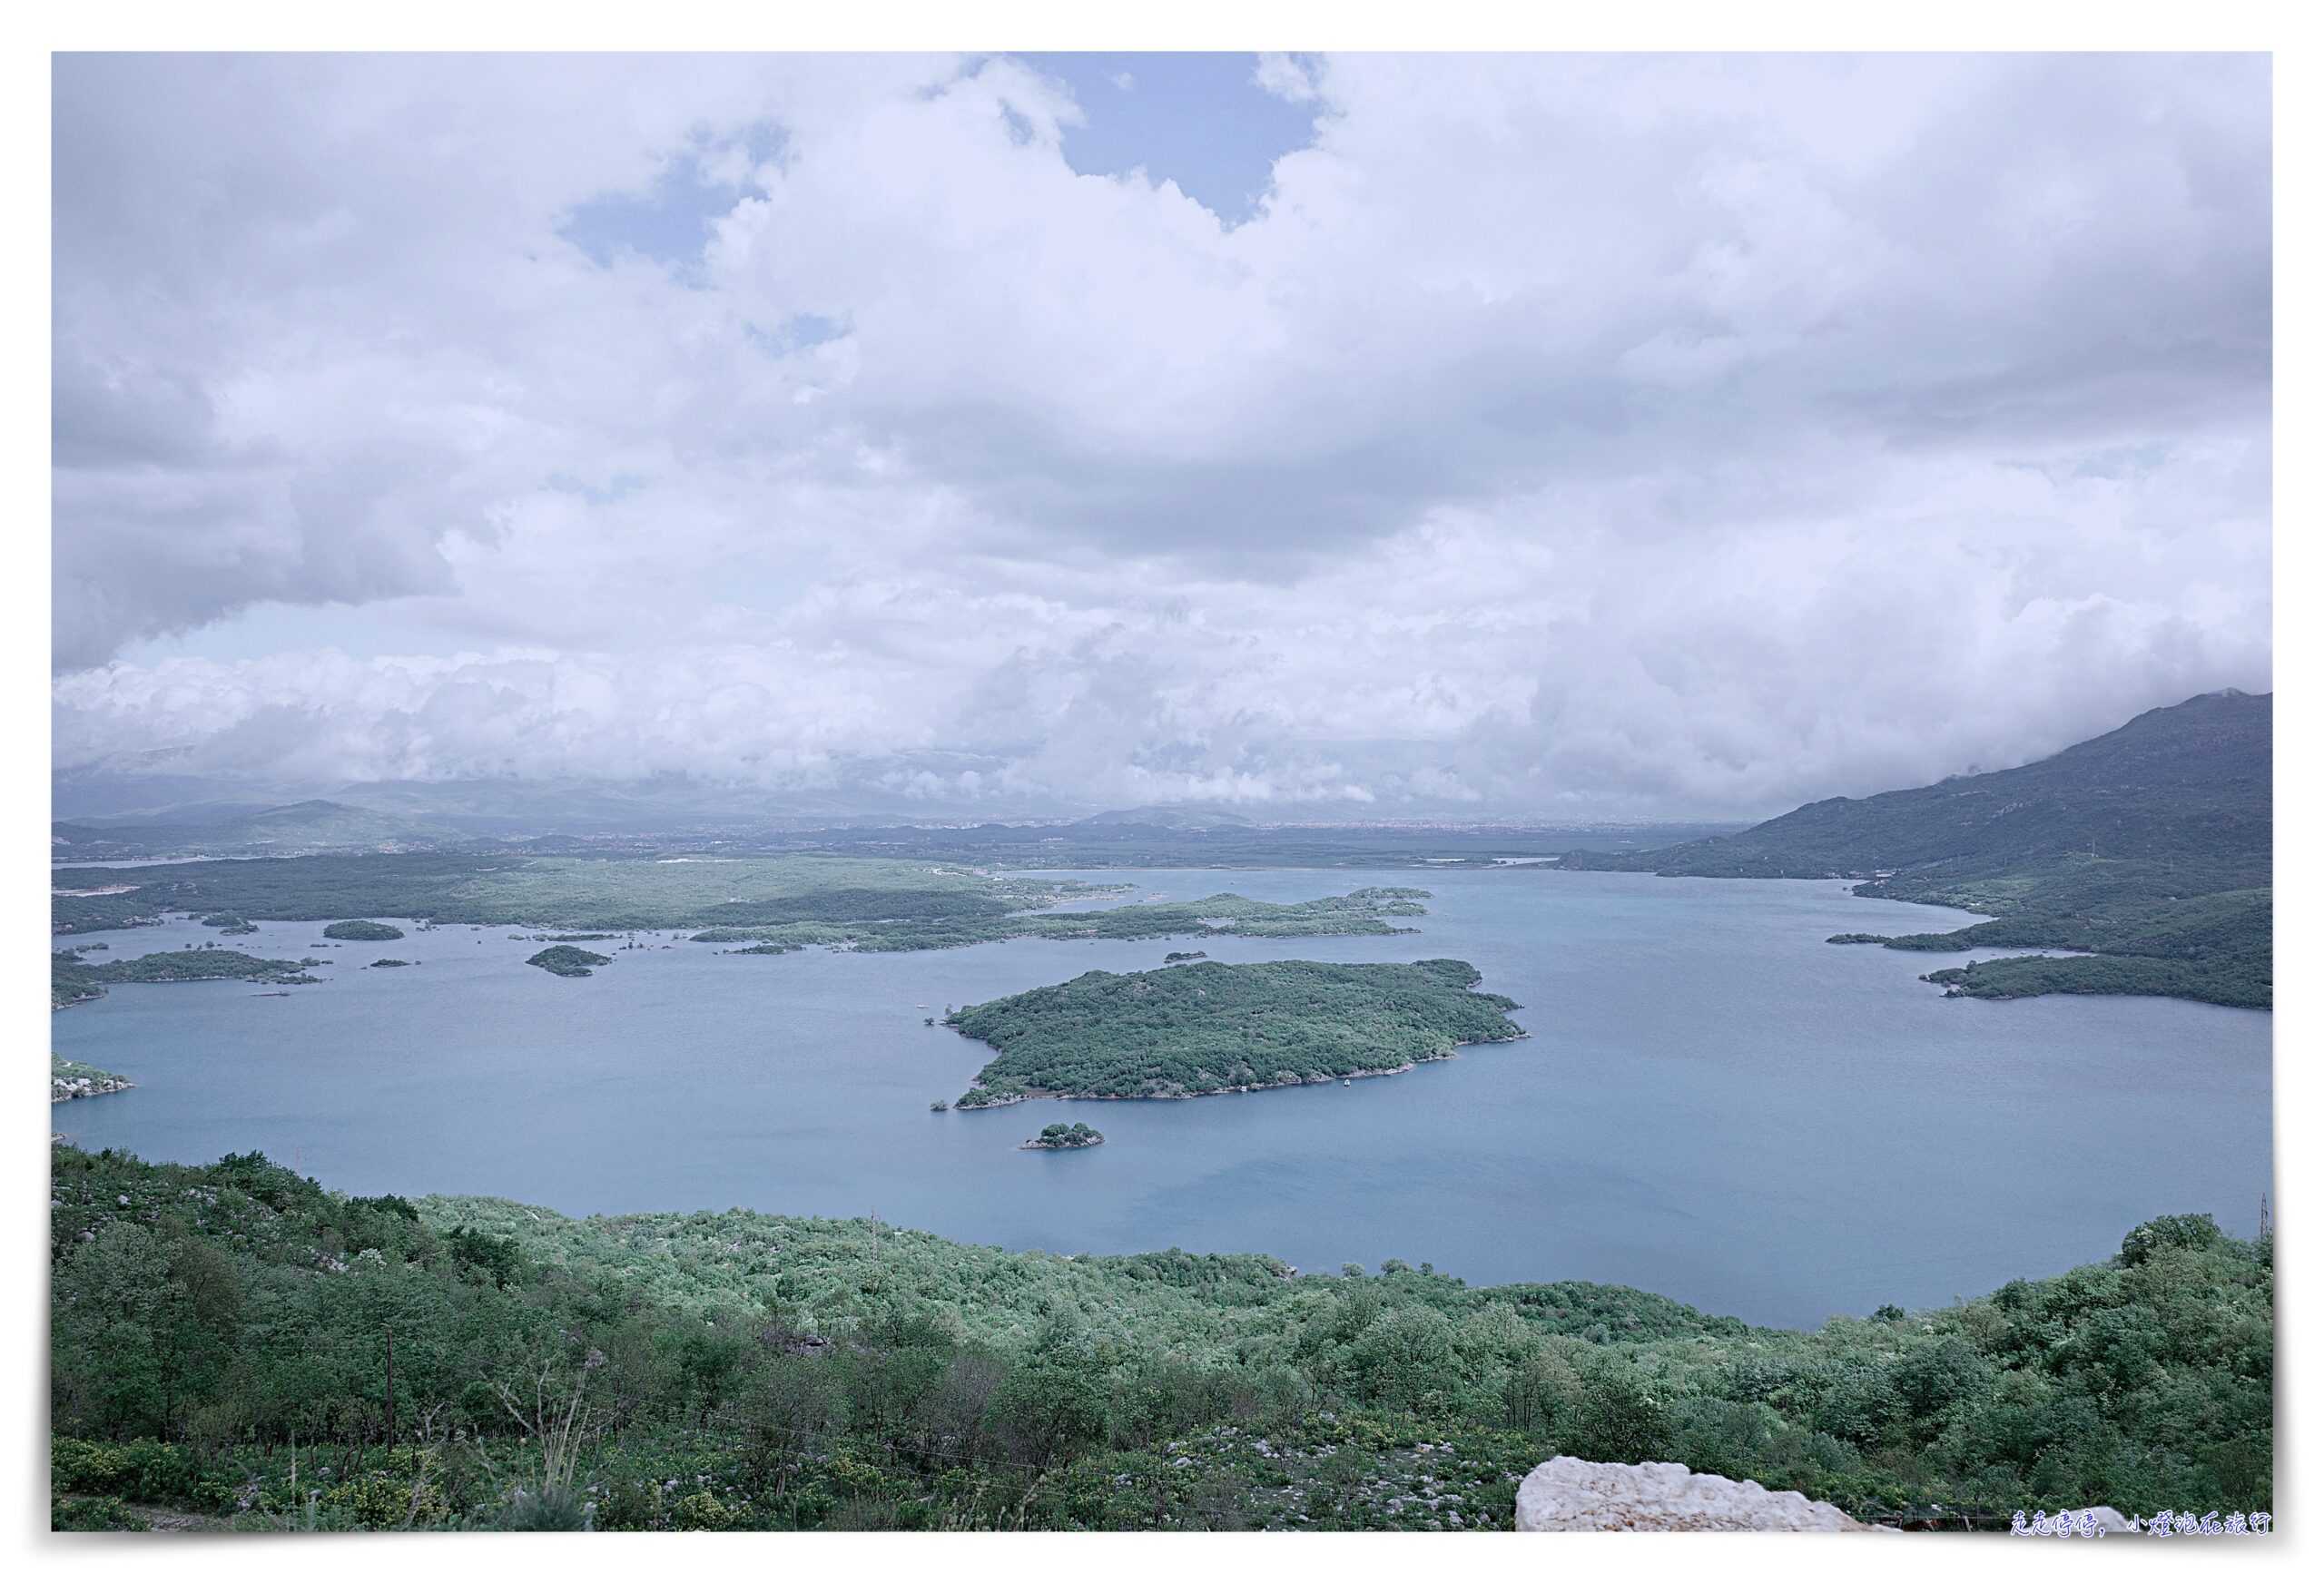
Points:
(1556, 437)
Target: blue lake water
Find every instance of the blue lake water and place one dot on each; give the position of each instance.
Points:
(1715, 1105)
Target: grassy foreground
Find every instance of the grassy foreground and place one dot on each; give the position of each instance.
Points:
(220, 1339)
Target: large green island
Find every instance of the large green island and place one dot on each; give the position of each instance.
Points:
(1219, 1027)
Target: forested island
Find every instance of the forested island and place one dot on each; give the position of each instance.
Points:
(362, 928)
(1219, 1027)
(1059, 1134)
(748, 1371)
(73, 979)
(567, 961)
(2151, 848)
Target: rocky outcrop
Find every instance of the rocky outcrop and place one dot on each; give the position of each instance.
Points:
(1568, 1495)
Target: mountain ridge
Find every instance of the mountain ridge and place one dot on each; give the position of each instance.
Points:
(2151, 846)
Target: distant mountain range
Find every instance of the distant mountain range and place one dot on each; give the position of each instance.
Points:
(1177, 816)
(297, 830)
(2153, 845)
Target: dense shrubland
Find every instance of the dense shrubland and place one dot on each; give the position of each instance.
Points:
(210, 1325)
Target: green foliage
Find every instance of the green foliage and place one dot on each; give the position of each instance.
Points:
(2153, 846)
(2170, 1231)
(1213, 1026)
(361, 929)
(92, 1514)
(567, 961)
(2248, 983)
(743, 1371)
(149, 1472)
(1059, 1135)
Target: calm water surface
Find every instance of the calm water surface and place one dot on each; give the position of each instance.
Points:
(1715, 1105)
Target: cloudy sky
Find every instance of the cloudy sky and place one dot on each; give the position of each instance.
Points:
(1555, 436)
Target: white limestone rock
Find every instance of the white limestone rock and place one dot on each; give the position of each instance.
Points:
(1568, 1495)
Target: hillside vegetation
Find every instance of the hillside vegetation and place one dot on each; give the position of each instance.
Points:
(2151, 846)
(761, 1371)
(1208, 1028)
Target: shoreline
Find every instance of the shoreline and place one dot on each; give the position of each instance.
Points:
(1246, 1088)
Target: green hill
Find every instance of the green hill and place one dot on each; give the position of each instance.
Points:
(2153, 846)
(218, 1347)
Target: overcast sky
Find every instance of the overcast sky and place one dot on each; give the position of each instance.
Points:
(1560, 436)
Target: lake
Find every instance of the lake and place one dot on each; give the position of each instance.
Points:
(1716, 1105)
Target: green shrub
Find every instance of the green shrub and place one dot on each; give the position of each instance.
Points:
(148, 1471)
(92, 1514)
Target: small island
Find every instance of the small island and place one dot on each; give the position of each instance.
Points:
(1857, 939)
(567, 961)
(362, 928)
(1219, 1027)
(1058, 1135)
(1169, 956)
(392, 962)
(230, 923)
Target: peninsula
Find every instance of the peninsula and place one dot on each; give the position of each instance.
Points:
(2150, 847)
(73, 981)
(79, 1080)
